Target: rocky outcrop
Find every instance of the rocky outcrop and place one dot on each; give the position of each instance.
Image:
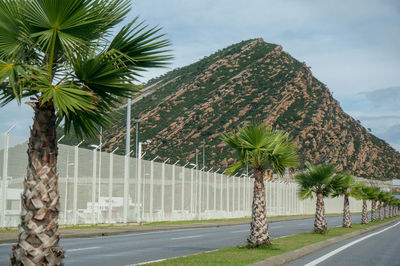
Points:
(247, 81)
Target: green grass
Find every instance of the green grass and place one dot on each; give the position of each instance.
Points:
(241, 255)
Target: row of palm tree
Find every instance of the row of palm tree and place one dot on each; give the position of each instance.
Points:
(323, 181)
(264, 149)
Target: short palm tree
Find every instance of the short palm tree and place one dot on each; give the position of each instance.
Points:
(316, 180)
(263, 149)
(392, 200)
(373, 196)
(386, 200)
(361, 192)
(61, 57)
(381, 199)
(342, 185)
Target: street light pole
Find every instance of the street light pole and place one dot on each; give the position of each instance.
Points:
(203, 142)
(137, 121)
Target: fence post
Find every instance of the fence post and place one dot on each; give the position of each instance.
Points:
(163, 189)
(183, 190)
(233, 193)
(126, 188)
(208, 191)
(4, 181)
(110, 187)
(75, 188)
(191, 192)
(151, 189)
(227, 195)
(215, 191)
(200, 191)
(94, 184)
(138, 188)
(221, 192)
(239, 194)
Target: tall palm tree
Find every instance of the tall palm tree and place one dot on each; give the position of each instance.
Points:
(61, 57)
(373, 196)
(316, 180)
(263, 149)
(342, 185)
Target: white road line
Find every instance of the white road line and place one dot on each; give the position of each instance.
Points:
(241, 231)
(283, 236)
(79, 249)
(7, 244)
(334, 252)
(186, 237)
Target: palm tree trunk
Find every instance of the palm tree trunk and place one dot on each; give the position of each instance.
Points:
(259, 235)
(346, 212)
(320, 222)
(38, 232)
(373, 210)
(380, 211)
(364, 214)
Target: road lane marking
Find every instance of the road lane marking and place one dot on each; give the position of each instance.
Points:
(186, 237)
(7, 244)
(241, 231)
(334, 252)
(79, 249)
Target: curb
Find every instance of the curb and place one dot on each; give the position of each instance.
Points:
(301, 252)
(99, 232)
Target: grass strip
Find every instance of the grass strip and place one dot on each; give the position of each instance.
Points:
(241, 255)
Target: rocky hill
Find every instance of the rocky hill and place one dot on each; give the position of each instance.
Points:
(246, 81)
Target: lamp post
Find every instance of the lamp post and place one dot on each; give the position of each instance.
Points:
(203, 142)
(137, 121)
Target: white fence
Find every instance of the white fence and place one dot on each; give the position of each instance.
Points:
(108, 188)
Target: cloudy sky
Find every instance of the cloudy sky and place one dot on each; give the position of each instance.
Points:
(352, 46)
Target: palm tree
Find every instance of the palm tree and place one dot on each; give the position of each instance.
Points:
(373, 196)
(386, 201)
(381, 197)
(61, 57)
(392, 200)
(317, 180)
(263, 149)
(342, 185)
(361, 192)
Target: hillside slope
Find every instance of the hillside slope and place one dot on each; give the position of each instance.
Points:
(246, 81)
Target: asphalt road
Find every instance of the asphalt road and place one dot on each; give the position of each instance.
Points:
(374, 248)
(144, 247)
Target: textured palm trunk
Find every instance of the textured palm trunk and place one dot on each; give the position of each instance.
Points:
(346, 212)
(385, 211)
(364, 214)
(390, 211)
(380, 207)
(259, 235)
(320, 221)
(373, 210)
(38, 232)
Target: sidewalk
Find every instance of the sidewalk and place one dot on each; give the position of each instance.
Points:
(11, 237)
